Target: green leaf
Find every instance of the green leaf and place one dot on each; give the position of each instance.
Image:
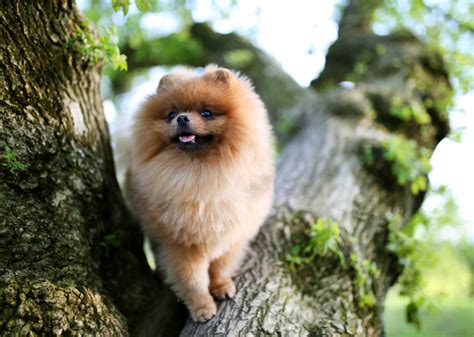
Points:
(121, 4)
(144, 5)
(116, 4)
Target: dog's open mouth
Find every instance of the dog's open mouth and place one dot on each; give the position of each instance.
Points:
(191, 141)
(187, 137)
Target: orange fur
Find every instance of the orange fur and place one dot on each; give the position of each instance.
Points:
(201, 208)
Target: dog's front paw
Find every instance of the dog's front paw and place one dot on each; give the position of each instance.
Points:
(204, 311)
(223, 289)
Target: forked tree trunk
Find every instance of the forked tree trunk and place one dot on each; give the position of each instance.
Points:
(71, 259)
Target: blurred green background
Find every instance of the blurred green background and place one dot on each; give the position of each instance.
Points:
(297, 35)
(449, 285)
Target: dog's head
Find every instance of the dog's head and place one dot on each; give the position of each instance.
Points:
(199, 114)
(195, 109)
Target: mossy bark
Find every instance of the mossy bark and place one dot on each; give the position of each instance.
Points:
(68, 246)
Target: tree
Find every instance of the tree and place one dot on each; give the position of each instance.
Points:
(351, 173)
(60, 251)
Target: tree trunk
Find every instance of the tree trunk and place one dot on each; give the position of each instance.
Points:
(71, 258)
(64, 260)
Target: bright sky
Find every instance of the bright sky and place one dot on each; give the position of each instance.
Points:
(298, 36)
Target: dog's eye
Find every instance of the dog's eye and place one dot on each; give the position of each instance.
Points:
(172, 115)
(206, 114)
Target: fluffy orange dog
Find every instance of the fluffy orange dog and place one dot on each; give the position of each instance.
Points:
(201, 178)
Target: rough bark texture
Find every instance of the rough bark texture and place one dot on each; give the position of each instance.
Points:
(321, 175)
(68, 246)
(71, 257)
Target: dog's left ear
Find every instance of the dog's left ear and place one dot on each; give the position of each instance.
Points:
(220, 76)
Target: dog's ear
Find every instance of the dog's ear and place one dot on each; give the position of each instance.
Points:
(218, 75)
(222, 75)
(170, 80)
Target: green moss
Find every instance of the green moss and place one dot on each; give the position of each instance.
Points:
(312, 244)
(405, 111)
(365, 272)
(318, 242)
(408, 163)
(435, 90)
(10, 161)
(321, 238)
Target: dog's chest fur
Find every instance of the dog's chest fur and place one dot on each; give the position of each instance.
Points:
(192, 204)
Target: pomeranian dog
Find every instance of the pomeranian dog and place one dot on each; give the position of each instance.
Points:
(201, 178)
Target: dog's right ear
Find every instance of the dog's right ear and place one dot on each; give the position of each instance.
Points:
(167, 81)
(171, 80)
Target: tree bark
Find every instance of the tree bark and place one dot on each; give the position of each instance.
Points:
(68, 245)
(321, 174)
(71, 254)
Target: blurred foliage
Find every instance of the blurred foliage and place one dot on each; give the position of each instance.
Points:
(405, 111)
(447, 277)
(124, 5)
(433, 268)
(169, 50)
(452, 318)
(446, 26)
(155, 33)
(239, 58)
(100, 48)
(410, 253)
(466, 249)
(408, 162)
(450, 275)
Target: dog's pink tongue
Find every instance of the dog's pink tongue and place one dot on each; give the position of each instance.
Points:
(187, 138)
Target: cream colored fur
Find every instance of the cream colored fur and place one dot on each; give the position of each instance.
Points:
(201, 210)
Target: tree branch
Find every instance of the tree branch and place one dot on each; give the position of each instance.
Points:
(322, 174)
(357, 16)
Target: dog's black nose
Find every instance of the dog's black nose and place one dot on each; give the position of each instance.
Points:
(182, 120)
